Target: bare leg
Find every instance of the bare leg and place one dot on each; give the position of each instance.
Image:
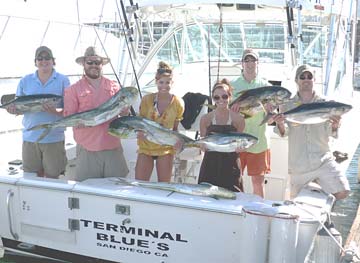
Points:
(144, 167)
(164, 165)
(258, 185)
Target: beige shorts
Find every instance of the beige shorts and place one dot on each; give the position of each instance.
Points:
(100, 164)
(47, 157)
(329, 176)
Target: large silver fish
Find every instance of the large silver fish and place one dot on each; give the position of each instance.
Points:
(228, 142)
(251, 101)
(33, 103)
(127, 126)
(125, 97)
(316, 112)
(203, 189)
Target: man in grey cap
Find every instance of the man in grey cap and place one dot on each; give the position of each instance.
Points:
(257, 158)
(99, 154)
(310, 157)
(46, 158)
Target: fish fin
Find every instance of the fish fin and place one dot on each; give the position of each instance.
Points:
(170, 193)
(190, 145)
(210, 106)
(267, 118)
(120, 180)
(206, 184)
(246, 115)
(262, 106)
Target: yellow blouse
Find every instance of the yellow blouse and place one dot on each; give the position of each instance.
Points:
(173, 113)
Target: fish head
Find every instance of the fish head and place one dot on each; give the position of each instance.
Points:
(282, 95)
(120, 129)
(342, 108)
(245, 141)
(336, 108)
(129, 95)
(218, 192)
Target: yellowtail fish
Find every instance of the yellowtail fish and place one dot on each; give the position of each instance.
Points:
(252, 101)
(203, 189)
(125, 97)
(312, 113)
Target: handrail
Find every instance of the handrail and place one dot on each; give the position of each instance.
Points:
(9, 195)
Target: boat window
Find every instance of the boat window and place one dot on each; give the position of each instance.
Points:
(314, 41)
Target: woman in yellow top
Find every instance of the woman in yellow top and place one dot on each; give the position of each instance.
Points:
(167, 110)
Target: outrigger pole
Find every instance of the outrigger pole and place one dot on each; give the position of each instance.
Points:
(127, 42)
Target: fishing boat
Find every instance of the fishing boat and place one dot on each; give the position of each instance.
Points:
(103, 219)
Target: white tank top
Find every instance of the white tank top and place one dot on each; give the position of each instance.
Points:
(227, 123)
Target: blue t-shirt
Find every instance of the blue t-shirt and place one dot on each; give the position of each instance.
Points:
(30, 85)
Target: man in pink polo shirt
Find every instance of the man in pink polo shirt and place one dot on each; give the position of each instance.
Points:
(99, 154)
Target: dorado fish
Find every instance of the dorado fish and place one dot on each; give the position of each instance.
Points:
(125, 97)
(228, 142)
(203, 189)
(127, 126)
(316, 112)
(252, 101)
(33, 103)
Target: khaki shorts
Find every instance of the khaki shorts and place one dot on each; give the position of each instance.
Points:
(100, 164)
(47, 157)
(257, 164)
(329, 176)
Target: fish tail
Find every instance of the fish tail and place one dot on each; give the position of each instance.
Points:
(40, 126)
(267, 118)
(44, 134)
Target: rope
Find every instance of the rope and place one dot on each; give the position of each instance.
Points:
(323, 226)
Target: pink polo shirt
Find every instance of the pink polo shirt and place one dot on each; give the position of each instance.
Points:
(81, 96)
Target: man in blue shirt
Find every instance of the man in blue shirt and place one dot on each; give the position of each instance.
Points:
(46, 158)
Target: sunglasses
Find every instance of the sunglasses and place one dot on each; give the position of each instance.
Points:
(94, 62)
(250, 60)
(224, 97)
(309, 77)
(40, 58)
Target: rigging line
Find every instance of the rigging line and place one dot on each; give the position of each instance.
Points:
(100, 17)
(5, 26)
(80, 26)
(128, 47)
(221, 29)
(46, 30)
(209, 60)
(112, 67)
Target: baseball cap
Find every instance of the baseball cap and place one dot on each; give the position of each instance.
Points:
(43, 49)
(250, 52)
(303, 68)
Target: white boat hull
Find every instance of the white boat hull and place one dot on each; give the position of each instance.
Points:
(102, 219)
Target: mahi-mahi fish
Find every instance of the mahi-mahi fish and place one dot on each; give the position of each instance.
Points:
(33, 103)
(126, 127)
(315, 112)
(203, 189)
(125, 97)
(252, 101)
